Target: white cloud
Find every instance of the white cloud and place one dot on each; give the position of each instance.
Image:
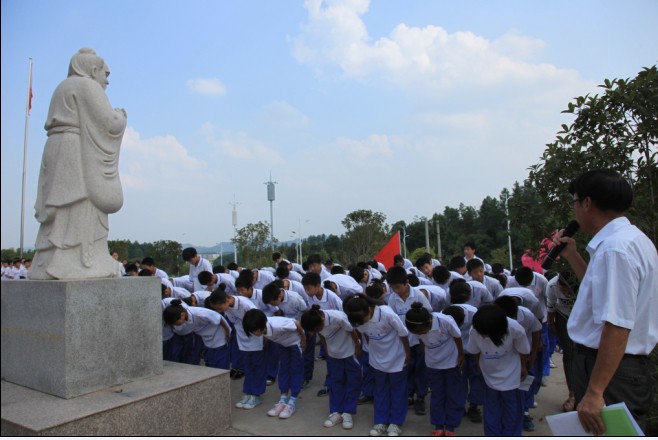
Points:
(207, 86)
(282, 115)
(156, 163)
(421, 59)
(239, 145)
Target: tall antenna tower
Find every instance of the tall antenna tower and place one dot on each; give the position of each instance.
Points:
(234, 218)
(270, 198)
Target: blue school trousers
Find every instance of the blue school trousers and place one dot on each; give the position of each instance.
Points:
(417, 373)
(536, 370)
(219, 357)
(503, 413)
(309, 356)
(475, 380)
(255, 372)
(236, 354)
(273, 352)
(291, 369)
(172, 348)
(345, 378)
(549, 341)
(448, 397)
(367, 379)
(390, 397)
(192, 348)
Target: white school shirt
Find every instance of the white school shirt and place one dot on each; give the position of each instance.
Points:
(329, 301)
(620, 286)
(501, 366)
(465, 328)
(407, 263)
(235, 315)
(556, 301)
(529, 322)
(207, 324)
(528, 299)
(167, 331)
(298, 288)
(184, 282)
(203, 265)
(257, 300)
(179, 293)
(438, 297)
(283, 331)
(493, 286)
(298, 268)
(234, 273)
(183, 329)
(479, 294)
(264, 278)
(402, 307)
(292, 305)
(200, 297)
(162, 274)
(346, 285)
(538, 287)
(295, 276)
(384, 331)
(440, 347)
(228, 281)
(453, 276)
(337, 332)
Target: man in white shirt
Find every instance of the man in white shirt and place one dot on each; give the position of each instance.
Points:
(197, 264)
(613, 323)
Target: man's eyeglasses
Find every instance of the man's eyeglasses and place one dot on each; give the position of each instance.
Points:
(572, 202)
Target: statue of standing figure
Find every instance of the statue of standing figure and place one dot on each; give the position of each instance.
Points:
(79, 181)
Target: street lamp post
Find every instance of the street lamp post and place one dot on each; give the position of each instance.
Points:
(404, 240)
(509, 232)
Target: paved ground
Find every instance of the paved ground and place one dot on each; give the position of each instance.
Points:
(313, 410)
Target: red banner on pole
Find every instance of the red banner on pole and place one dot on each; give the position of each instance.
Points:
(390, 250)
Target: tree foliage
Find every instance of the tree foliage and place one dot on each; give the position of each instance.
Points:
(254, 247)
(617, 130)
(366, 233)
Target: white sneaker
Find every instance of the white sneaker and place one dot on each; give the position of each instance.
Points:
(378, 430)
(348, 423)
(333, 420)
(287, 412)
(276, 410)
(252, 403)
(242, 401)
(394, 430)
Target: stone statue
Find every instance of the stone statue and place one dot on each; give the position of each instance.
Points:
(79, 181)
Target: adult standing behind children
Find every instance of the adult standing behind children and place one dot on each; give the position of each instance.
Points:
(614, 322)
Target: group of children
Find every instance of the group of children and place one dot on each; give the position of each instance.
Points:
(15, 269)
(388, 336)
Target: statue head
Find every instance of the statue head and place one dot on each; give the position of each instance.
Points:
(87, 64)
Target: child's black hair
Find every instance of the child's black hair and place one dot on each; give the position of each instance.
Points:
(523, 276)
(311, 279)
(217, 297)
(413, 280)
(358, 273)
(491, 321)
(440, 274)
(173, 312)
(337, 269)
(376, 290)
(418, 319)
(271, 292)
(501, 277)
(188, 253)
(456, 262)
(474, 263)
(205, 278)
(232, 266)
(508, 304)
(358, 306)
(311, 319)
(254, 320)
(148, 261)
(145, 273)
(282, 271)
(218, 269)
(457, 313)
(397, 275)
(460, 291)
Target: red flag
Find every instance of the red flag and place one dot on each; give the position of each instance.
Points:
(390, 249)
(29, 104)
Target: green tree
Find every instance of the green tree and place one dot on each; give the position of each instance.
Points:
(617, 130)
(253, 242)
(366, 234)
(167, 256)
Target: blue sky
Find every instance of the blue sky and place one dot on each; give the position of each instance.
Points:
(398, 107)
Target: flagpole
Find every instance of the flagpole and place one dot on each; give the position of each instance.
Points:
(28, 106)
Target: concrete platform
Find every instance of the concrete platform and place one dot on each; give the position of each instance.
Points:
(183, 401)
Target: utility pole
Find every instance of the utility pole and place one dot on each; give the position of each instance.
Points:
(427, 235)
(438, 241)
(270, 198)
(234, 218)
(509, 232)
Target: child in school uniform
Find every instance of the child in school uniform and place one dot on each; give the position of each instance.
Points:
(287, 333)
(343, 345)
(500, 344)
(208, 324)
(389, 353)
(376, 291)
(252, 354)
(440, 337)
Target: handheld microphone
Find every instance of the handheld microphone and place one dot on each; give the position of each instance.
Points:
(555, 251)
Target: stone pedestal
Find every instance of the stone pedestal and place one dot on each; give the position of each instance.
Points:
(69, 338)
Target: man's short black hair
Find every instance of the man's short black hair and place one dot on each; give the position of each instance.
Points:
(607, 188)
